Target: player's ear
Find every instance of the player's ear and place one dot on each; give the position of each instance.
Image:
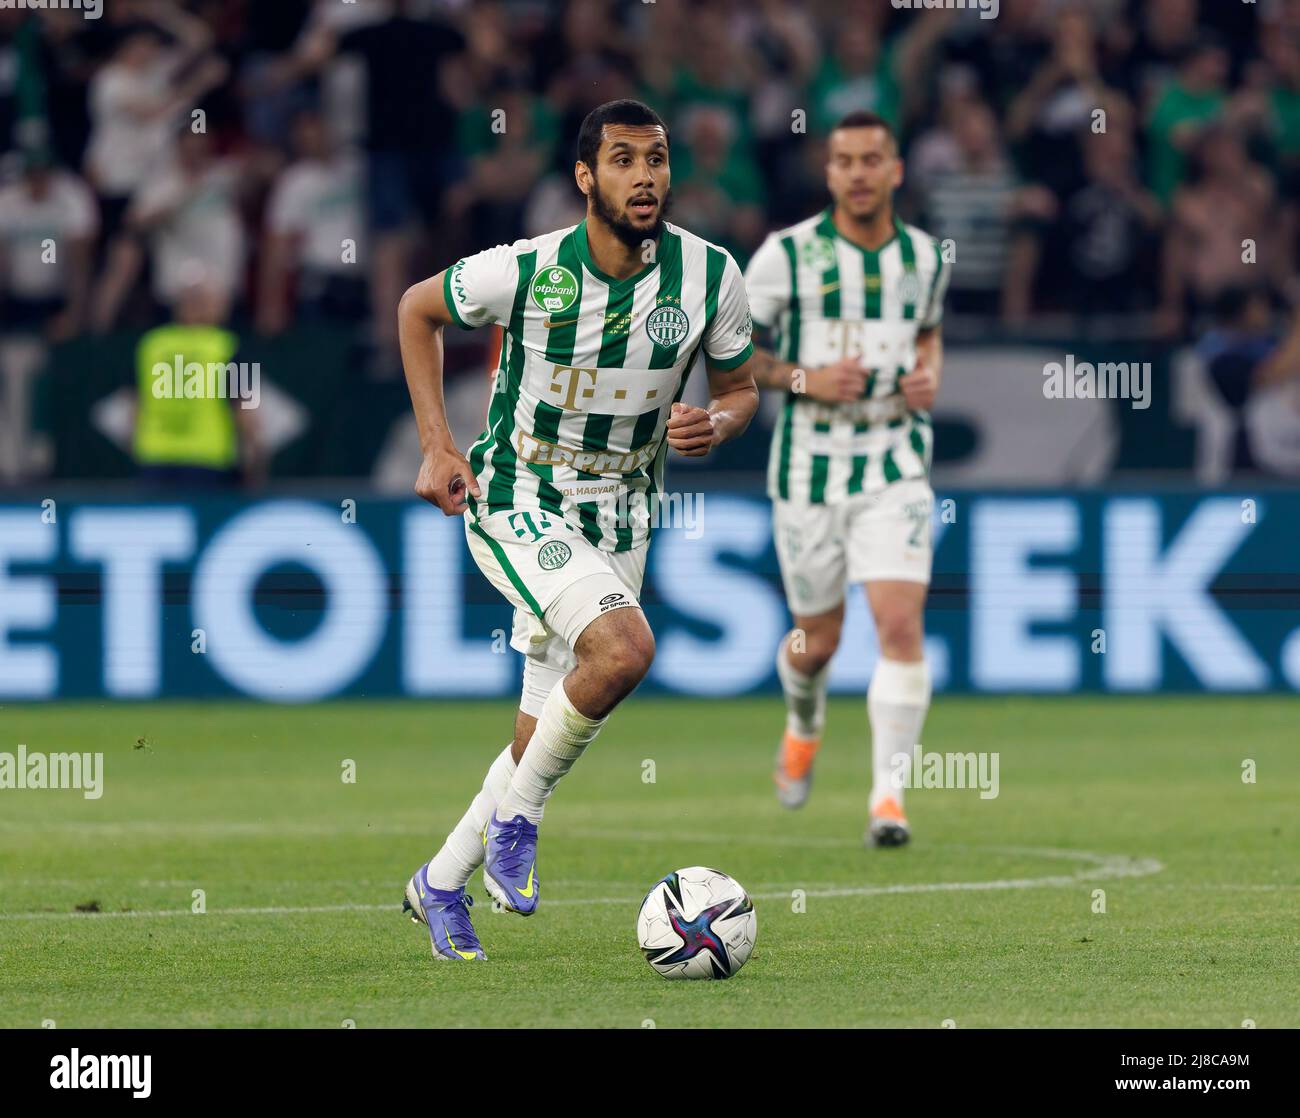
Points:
(582, 176)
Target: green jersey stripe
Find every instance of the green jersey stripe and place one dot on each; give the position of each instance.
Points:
(871, 283)
(821, 465)
(563, 325)
(783, 465)
(908, 251)
(589, 518)
(614, 333)
(670, 293)
(890, 467)
(546, 428)
(792, 325)
(511, 573)
(647, 423)
(831, 276)
(714, 265)
(857, 473)
(505, 398)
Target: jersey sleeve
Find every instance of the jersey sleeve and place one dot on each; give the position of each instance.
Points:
(768, 281)
(727, 339)
(480, 289)
(938, 289)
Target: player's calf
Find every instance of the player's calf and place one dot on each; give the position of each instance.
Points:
(614, 652)
(801, 664)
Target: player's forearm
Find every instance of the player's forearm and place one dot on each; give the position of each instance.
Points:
(929, 350)
(420, 338)
(731, 412)
(770, 371)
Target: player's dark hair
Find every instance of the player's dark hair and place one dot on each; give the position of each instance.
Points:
(625, 111)
(862, 118)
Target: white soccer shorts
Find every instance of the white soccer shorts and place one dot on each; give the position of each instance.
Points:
(878, 536)
(558, 582)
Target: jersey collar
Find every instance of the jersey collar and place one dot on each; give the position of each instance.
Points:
(827, 228)
(584, 255)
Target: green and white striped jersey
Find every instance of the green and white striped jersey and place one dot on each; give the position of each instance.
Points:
(590, 368)
(826, 298)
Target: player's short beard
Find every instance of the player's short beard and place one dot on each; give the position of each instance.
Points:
(623, 229)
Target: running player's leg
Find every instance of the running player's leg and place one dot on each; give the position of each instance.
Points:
(892, 548)
(614, 648)
(462, 852)
(810, 550)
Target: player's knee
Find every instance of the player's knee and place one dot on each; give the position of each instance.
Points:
(811, 647)
(619, 648)
(901, 634)
(627, 662)
(821, 645)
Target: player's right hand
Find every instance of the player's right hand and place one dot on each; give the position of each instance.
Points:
(837, 383)
(443, 480)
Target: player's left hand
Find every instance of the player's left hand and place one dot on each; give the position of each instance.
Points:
(920, 387)
(690, 430)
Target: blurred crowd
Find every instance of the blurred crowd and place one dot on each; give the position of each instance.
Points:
(309, 158)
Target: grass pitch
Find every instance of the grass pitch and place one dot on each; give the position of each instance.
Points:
(987, 919)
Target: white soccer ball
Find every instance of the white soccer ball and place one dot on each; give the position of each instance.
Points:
(697, 923)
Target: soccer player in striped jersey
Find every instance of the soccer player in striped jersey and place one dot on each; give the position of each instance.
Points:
(853, 299)
(603, 323)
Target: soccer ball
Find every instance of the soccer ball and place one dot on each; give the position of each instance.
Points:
(697, 923)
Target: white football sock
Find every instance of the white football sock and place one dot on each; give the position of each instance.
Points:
(562, 733)
(462, 853)
(897, 701)
(805, 696)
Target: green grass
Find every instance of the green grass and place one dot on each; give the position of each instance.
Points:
(246, 803)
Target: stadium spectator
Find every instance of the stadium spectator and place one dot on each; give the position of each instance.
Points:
(717, 187)
(1257, 375)
(315, 233)
(48, 222)
(1166, 31)
(507, 149)
(967, 192)
(201, 440)
(409, 110)
(1061, 104)
(138, 99)
(189, 218)
(1111, 226)
(1213, 239)
(1185, 105)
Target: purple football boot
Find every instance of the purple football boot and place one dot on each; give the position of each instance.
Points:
(445, 913)
(510, 864)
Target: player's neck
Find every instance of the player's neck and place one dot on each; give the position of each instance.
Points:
(610, 254)
(870, 232)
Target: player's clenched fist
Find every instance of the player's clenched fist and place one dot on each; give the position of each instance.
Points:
(920, 387)
(690, 430)
(443, 479)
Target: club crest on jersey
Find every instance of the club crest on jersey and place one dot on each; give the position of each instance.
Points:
(667, 326)
(553, 555)
(818, 254)
(554, 288)
(909, 287)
